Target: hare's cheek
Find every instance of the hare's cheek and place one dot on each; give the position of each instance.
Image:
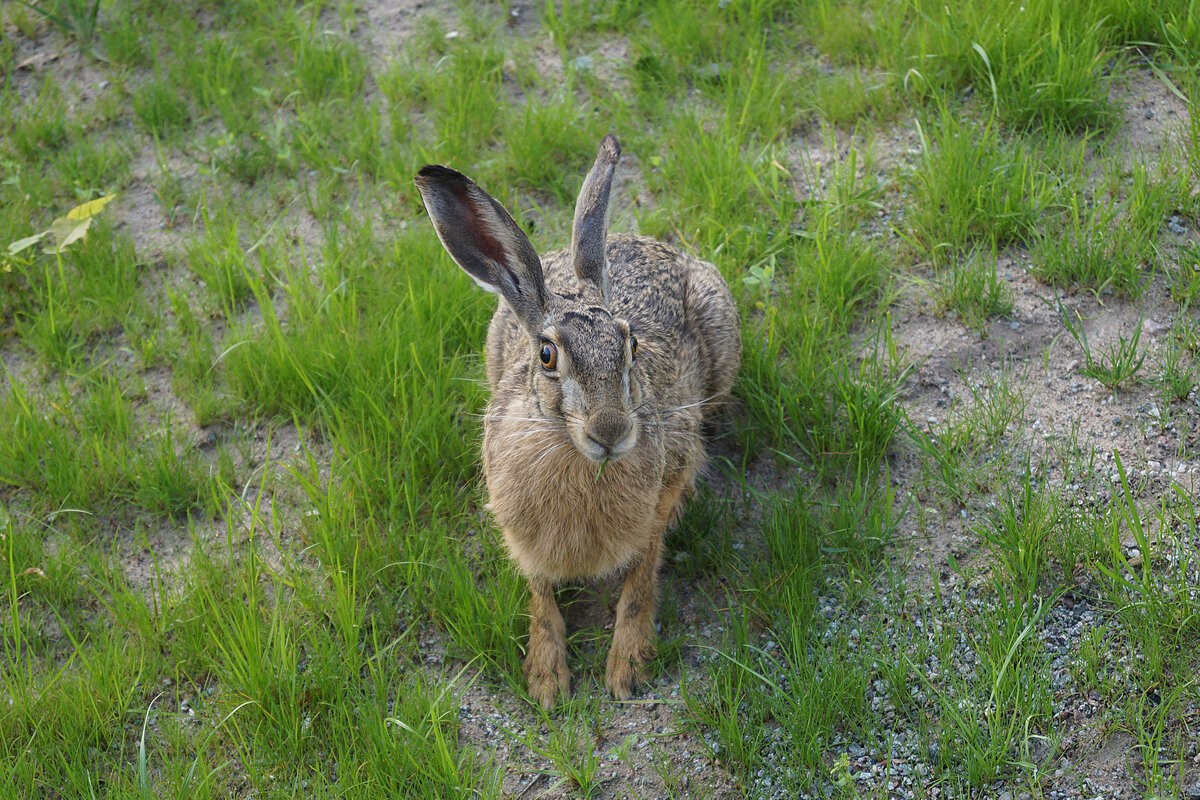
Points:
(549, 399)
(634, 395)
(572, 396)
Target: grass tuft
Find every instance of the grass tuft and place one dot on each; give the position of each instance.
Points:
(973, 292)
(973, 188)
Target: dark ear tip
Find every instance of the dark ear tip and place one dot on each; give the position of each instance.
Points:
(610, 147)
(431, 173)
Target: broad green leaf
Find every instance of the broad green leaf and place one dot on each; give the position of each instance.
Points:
(28, 241)
(66, 231)
(89, 209)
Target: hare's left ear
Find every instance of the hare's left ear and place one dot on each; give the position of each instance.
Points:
(485, 241)
(589, 233)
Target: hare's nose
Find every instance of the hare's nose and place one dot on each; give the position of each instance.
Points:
(608, 429)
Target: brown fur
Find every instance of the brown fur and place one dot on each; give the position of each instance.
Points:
(587, 461)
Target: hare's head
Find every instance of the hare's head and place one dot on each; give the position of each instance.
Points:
(580, 356)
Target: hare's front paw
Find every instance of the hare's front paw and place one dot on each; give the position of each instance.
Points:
(631, 649)
(547, 674)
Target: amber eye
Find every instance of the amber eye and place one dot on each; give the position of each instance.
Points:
(549, 355)
(633, 346)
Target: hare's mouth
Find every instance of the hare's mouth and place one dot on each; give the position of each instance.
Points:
(599, 448)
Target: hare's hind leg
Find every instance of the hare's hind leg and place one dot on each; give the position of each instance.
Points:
(633, 634)
(546, 657)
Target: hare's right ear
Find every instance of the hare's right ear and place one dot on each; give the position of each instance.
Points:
(485, 241)
(589, 233)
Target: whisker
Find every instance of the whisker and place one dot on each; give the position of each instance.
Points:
(522, 434)
(547, 452)
(698, 403)
(508, 417)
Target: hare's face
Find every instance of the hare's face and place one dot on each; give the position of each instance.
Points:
(583, 367)
(581, 357)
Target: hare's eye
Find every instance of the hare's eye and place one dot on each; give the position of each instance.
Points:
(633, 346)
(549, 355)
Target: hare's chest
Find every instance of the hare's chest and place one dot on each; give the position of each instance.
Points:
(562, 517)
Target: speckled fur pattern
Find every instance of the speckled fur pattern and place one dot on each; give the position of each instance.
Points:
(603, 360)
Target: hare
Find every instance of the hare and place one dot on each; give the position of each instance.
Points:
(603, 361)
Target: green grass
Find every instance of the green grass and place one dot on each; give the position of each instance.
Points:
(1019, 532)
(160, 109)
(1177, 375)
(973, 292)
(973, 188)
(1035, 64)
(1106, 245)
(968, 454)
(243, 548)
(1114, 366)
